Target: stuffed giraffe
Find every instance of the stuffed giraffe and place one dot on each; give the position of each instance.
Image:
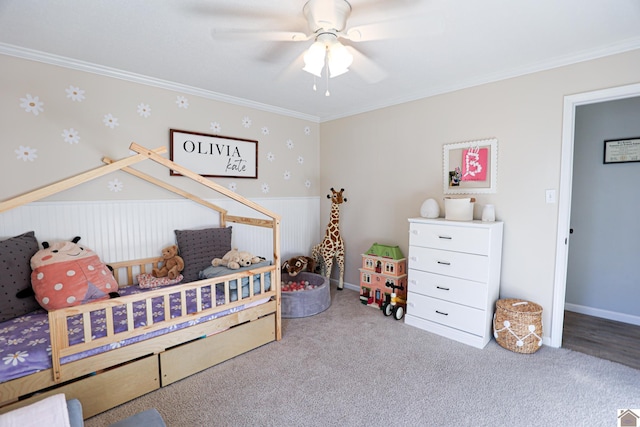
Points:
(332, 244)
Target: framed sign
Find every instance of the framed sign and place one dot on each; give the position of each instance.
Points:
(622, 150)
(470, 167)
(213, 155)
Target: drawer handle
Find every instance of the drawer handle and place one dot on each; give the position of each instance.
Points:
(445, 237)
(443, 288)
(443, 313)
(443, 262)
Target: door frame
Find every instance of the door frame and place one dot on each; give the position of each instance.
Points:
(571, 102)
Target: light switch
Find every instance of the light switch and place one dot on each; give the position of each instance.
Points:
(550, 196)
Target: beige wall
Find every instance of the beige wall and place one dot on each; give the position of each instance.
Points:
(56, 159)
(390, 160)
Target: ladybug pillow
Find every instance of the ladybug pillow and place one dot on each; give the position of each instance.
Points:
(65, 274)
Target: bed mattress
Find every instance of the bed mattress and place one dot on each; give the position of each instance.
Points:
(25, 343)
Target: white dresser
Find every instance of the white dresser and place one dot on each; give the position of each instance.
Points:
(454, 277)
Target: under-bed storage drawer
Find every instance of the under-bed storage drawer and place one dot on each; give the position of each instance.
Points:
(180, 362)
(107, 389)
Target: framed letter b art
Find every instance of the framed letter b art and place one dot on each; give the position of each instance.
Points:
(213, 155)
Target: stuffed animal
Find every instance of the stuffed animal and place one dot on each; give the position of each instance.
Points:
(298, 264)
(65, 274)
(235, 259)
(172, 263)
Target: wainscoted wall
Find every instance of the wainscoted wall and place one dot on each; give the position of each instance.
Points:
(131, 229)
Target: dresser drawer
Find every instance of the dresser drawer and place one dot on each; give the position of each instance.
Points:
(454, 264)
(466, 292)
(452, 238)
(468, 319)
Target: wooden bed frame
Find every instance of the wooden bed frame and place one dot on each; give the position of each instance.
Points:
(111, 378)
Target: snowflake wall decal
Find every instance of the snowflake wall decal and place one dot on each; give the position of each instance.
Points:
(246, 122)
(75, 93)
(265, 187)
(270, 156)
(233, 186)
(307, 130)
(26, 153)
(287, 175)
(300, 159)
(289, 144)
(265, 130)
(307, 184)
(71, 136)
(32, 104)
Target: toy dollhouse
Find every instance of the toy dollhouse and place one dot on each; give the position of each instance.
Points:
(383, 272)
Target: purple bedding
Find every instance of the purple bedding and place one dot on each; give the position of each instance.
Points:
(24, 341)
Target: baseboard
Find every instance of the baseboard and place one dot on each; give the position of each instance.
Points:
(346, 285)
(605, 314)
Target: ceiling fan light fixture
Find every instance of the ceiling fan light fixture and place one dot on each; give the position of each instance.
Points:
(314, 58)
(339, 59)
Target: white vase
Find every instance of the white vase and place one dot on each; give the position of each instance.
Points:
(488, 213)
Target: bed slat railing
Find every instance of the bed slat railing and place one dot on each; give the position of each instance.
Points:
(58, 319)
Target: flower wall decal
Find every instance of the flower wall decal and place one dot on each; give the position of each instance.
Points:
(144, 110)
(75, 93)
(307, 184)
(290, 144)
(71, 136)
(246, 122)
(307, 130)
(32, 104)
(265, 187)
(110, 121)
(26, 153)
(287, 175)
(182, 102)
(232, 186)
(300, 159)
(115, 185)
(265, 130)
(216, 127)
(270, 156)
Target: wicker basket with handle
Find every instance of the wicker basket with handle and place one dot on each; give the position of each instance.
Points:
(517, 325)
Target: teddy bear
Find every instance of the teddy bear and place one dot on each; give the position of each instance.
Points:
(173, 264)
(298, 264)
(235, 259)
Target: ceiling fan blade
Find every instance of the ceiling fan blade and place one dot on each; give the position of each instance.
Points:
(270, 35)
(365, 67)
(419, 26)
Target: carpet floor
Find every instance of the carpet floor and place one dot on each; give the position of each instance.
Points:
(351, 366)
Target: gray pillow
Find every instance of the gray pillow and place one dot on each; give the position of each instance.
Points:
(15, 275)
(199, 247)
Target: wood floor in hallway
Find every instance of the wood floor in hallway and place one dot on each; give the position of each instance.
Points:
(603, 338)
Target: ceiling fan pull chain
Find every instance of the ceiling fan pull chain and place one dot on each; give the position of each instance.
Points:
(327, 78)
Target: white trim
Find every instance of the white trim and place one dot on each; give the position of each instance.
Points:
(564, 196)
(605, 314)
(75, 64)
(588, 55)
(48, 58)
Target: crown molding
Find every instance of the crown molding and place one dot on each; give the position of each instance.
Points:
(583, 56)
(61, 61)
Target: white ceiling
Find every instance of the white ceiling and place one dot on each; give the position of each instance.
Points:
(453, 44)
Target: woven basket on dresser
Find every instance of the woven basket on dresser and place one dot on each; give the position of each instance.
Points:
(517, 325)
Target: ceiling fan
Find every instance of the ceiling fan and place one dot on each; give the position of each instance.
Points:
(327, 26)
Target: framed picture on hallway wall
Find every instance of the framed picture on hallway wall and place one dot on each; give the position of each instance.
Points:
(214, 155)
(622, 150)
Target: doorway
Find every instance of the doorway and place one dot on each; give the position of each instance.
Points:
(564, 195)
